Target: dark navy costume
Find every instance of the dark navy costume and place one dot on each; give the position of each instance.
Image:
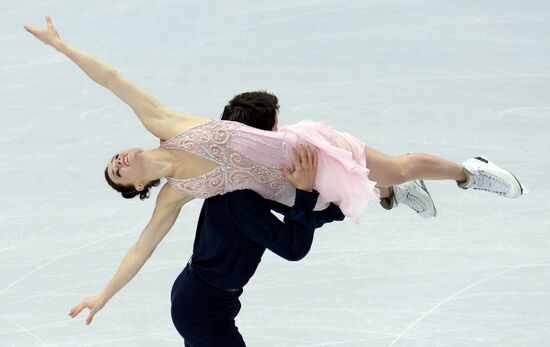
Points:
(233, 232)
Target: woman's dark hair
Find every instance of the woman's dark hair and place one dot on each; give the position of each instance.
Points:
(129, 192)
(256, 109)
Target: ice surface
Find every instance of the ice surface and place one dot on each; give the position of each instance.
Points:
(453, 78)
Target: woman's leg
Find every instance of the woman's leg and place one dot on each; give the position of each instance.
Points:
(386, 170)
(385, 192)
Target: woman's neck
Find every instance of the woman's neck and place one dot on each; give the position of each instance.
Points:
(156, 163)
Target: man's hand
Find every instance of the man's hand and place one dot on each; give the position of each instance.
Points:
(304, 161)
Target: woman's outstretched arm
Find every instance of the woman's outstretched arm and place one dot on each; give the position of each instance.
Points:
(166, 212)
(157, 119)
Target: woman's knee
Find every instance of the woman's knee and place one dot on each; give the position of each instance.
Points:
(403, 171)
(388, 170)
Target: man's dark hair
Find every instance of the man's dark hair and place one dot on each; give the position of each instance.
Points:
(255, 109)
(129, 192)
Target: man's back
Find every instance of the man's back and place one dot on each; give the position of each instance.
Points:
(232, 234)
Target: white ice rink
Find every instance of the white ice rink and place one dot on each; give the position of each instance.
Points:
(453, 78)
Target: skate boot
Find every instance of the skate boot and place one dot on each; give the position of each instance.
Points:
(413, 194)
(481, 174)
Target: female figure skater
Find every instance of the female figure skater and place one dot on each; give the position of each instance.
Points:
(202, 158)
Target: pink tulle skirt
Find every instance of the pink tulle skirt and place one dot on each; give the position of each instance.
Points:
(342, 174)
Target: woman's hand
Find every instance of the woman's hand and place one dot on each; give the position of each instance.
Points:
(48, 35)
(93, 303)
(305, 168)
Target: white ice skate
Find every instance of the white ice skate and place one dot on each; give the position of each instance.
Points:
(484, 175)
(413, 194)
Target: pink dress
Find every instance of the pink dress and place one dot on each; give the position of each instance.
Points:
(249, 158)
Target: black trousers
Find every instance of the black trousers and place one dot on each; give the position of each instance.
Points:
(203, 315)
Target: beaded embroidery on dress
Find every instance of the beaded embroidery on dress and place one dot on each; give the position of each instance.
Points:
(247, 158)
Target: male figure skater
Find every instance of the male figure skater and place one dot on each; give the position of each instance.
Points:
(233, 232)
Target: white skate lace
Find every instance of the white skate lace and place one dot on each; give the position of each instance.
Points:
(415, 203)
(490, 183)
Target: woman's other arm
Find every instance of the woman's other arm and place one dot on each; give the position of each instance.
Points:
(157, 119)
(169, 204)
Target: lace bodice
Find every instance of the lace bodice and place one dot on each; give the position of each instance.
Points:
(247, 158)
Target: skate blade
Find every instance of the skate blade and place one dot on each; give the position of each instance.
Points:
(524, 190)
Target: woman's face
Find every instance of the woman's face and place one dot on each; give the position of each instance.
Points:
(123, 168)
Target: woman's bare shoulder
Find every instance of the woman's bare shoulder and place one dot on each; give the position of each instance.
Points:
(178, 122)
(168, 197)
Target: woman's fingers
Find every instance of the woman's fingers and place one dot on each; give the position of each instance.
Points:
(90, 317)
(77, 309)
(47, 35)
(30, 29)
(92, 303)
(73, 310)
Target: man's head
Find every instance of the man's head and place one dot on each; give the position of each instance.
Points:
(256, 109)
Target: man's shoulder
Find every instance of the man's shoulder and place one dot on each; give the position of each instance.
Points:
(237, 196)
(236, 205)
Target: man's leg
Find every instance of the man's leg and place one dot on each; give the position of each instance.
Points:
(204, 316)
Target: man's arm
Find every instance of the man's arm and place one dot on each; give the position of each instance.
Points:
(292, 238)
(330, 214)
